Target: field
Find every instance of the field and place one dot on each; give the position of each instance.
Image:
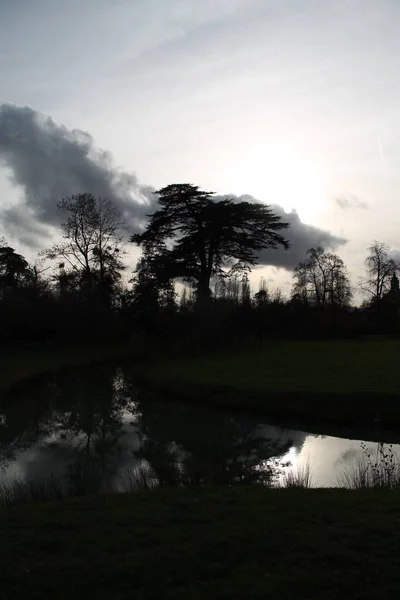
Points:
(222, 542)
(336, 382)
(341, 383)
(209, 543)
(20, 364)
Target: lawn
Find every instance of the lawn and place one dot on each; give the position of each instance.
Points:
(208, 543)
(336, 382)
(340, 383)
(22, 363)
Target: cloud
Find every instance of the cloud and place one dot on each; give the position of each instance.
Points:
(395, 255)
(48, 161)
(346, 202)
(301, 237)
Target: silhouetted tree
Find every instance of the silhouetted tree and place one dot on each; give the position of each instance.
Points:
(262, 297)
(92, 241)
(205, 237)
(322, 280)
(153, 294)
(14, 270)
(380, 269)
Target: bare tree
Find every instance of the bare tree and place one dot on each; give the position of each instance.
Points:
(380, 268)
(322, 280)
(92, 238)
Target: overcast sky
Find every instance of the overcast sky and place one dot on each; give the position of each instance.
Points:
(295, 102)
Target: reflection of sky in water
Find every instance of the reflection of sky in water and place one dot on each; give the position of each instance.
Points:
(57, 452)
(149, 431)
(326, 455)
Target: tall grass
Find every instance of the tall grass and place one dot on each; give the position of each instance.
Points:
(137, 477)
(373, 470)
(73, 484)
(298, 478)
(379, 470)
(17, 491)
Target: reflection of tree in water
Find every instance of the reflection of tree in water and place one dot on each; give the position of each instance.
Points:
(190, 445)
(27, 420)
(92, 428)
(78, 424)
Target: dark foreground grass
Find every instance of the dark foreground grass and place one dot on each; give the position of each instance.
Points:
(205, 543)
(337, 382)
(19, 364)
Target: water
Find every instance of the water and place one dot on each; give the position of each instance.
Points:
(95, 431)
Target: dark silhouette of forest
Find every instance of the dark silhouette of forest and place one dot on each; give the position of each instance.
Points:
(190, 287)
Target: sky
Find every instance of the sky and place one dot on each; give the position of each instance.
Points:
(293, 102)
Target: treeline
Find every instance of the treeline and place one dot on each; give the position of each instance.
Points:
(77, 290)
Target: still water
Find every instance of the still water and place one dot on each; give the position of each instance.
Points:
(95, 431)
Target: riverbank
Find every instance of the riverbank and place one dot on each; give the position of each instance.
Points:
(340, 383)
(21, 364)
(201, 543)
(306, 384)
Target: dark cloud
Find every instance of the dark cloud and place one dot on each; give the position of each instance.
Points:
(300, 235)
(48, 161)
(346, 202)
(395, 255)
(22, 223)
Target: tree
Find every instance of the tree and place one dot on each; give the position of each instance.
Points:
(380, 269)
(322, 280)
(14, 269)
(92, 240)
(151, 292)
(262, 297)
(204, 237)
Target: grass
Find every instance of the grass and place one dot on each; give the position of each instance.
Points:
(373, 470)
(21, 364)
(18, 491)
(14, 491)
(214, 543)
(219, 543)
(298, 478)
(344, 382)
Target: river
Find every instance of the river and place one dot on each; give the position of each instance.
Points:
(95, 431)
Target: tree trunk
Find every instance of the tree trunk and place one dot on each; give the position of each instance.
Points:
(203, 288)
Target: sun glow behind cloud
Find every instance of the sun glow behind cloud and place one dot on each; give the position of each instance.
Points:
(284, 174)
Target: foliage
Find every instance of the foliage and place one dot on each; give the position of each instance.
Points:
(209, 244)
(14, 270)
(208, 236)
(152, 294)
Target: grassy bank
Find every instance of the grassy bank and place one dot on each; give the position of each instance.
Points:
(335, 382)
(205, 543)
(20, 364)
